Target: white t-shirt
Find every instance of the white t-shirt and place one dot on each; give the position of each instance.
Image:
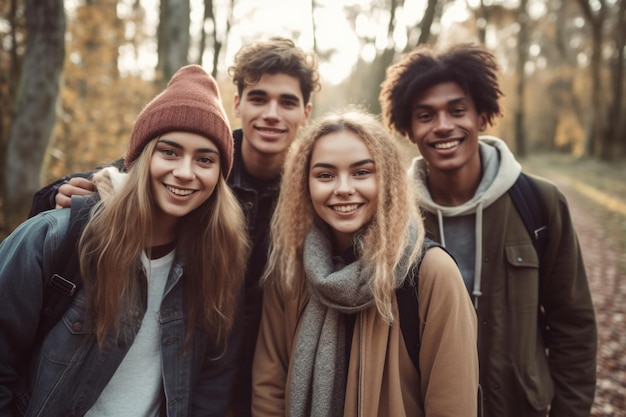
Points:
(135, 388)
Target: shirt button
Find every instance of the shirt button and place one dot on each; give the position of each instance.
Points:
(77, 326)
(519, 259)
(484, 322)
(496, 386)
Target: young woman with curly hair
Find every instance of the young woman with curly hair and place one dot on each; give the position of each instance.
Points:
(346, 234)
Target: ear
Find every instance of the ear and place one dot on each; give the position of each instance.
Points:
(308, 108)
(236, 103)
(482, 121)
(410, 136)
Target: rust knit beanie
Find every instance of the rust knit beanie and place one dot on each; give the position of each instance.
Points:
(190, 103)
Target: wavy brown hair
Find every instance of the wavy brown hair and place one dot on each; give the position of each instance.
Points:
(276, 55)
(212, 246)
(382, 244)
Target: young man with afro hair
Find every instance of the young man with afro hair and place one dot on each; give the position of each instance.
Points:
(537, 336)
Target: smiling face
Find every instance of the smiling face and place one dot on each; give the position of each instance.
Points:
(445, 126)
(271, 112)
(343, 184)
(184, 170)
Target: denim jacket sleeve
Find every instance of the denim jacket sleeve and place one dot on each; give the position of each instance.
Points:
(25, 257)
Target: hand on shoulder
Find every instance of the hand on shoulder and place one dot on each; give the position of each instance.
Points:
(75, 186)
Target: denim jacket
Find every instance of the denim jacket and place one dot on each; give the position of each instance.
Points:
(64, 374)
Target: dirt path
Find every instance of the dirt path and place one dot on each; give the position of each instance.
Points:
(602, 233)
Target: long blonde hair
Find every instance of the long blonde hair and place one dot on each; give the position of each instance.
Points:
(382, 244)
(212, 246)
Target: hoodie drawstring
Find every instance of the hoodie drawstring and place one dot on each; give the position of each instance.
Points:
(476, 293)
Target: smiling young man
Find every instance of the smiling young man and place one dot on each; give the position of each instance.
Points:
(275, 80)
(537, 337)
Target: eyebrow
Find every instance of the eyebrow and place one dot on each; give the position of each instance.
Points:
(452, 102)
(353, 165)
(259, 92)
(179, 146)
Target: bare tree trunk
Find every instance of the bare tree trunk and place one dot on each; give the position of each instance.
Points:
(431, 13)
(208, 15)
(427, 21)
(218, 39)
(380, 64)
(522, 57)
(35, 104)
(173, 37)
(614, 148)
(9, 78)
(593, 137)
(482, 17)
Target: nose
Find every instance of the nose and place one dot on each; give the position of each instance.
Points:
(184, 169)
(444, 124)
(271, 110)
(344, 186)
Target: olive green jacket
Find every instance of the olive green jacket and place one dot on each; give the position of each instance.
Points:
(528, 368)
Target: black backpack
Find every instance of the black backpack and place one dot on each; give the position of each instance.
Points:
(408, 305)
(534, 213)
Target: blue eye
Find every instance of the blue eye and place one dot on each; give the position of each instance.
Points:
(167, 152)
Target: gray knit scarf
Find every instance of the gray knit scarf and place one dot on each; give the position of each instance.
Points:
(319, 373)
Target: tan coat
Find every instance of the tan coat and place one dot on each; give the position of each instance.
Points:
(382, 380)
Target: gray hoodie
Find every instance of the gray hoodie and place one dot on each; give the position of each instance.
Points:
(460, 227)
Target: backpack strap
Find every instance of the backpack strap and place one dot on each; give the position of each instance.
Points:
(534, 213)
(65, 280)
(532, 209)
(408, 305)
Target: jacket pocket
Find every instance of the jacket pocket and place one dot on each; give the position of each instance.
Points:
(522, 277)
(69, 340)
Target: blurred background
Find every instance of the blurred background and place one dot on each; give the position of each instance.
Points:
(74, 75)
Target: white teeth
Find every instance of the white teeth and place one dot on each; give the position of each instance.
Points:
(346, 209)
(178, 191)
(447, 145)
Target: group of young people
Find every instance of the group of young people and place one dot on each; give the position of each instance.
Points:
(258, 272)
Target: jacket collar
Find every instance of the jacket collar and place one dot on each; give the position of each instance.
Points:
(239, 177)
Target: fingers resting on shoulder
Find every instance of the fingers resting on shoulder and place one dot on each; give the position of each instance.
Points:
(75, 186)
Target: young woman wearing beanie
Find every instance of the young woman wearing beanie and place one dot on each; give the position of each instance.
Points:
(154, 329)
(346, 234)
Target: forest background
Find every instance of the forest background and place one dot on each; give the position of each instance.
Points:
(75, 74)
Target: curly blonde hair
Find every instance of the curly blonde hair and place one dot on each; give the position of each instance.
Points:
(382, 244)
